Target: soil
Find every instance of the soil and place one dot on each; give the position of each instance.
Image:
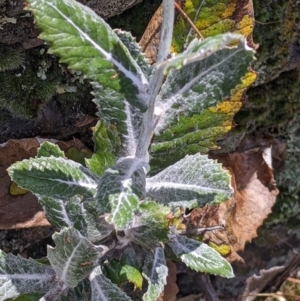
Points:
(261, 254)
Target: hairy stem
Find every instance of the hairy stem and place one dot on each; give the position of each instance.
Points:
(156, 80)
(166, 31)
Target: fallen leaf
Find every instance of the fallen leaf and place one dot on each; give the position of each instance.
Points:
(256, 284)
(16, 190)
(151, 37)
(254, 195)
(171, 289)
(85, 120)
(22, 210)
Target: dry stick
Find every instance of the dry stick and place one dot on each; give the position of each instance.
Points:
(266, 23)
(274, 295)
(189, 20)
(293, 280)
(200, 230)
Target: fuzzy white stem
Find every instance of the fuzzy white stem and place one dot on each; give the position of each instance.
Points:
(156, 80)
(166, 31)
(147, 125)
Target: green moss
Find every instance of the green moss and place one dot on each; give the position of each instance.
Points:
(275, 98)
(272, 106)
(276, 32)
(286, 211)
(290, 176)
(10, 58)
(78, 97)
(3, 118)
(39, 79)
(24, 89)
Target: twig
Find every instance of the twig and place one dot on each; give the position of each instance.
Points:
(293, 280)
(201, 230)
(266, 23)
(189, 20)
(276, 295)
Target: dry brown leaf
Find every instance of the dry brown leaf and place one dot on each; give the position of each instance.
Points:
(151, 37)
(254, 195)
(22, 211)
(256, 283)
(171, 289)
(273, 277)
(85, 120)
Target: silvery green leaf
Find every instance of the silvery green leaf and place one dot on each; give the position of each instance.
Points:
(47, 149)
(54, 177)
(200, 84)
(97, 226)
(135, 50)
(86, 43)
(55, 292)
(20, 276)
(198, 50)
(194, 178)
(82, 292)
(103, 289)
(73, 214)
(104, 153)
(199, 256)
(73, 258)
(118, 111)
(185, 204)
(155, 271)
(149, 226)
(197, 102)
(120, 189)
(65, 213)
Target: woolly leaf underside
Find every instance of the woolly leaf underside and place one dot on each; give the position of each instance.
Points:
(149, 226)
(106, 146)
(118, 112)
